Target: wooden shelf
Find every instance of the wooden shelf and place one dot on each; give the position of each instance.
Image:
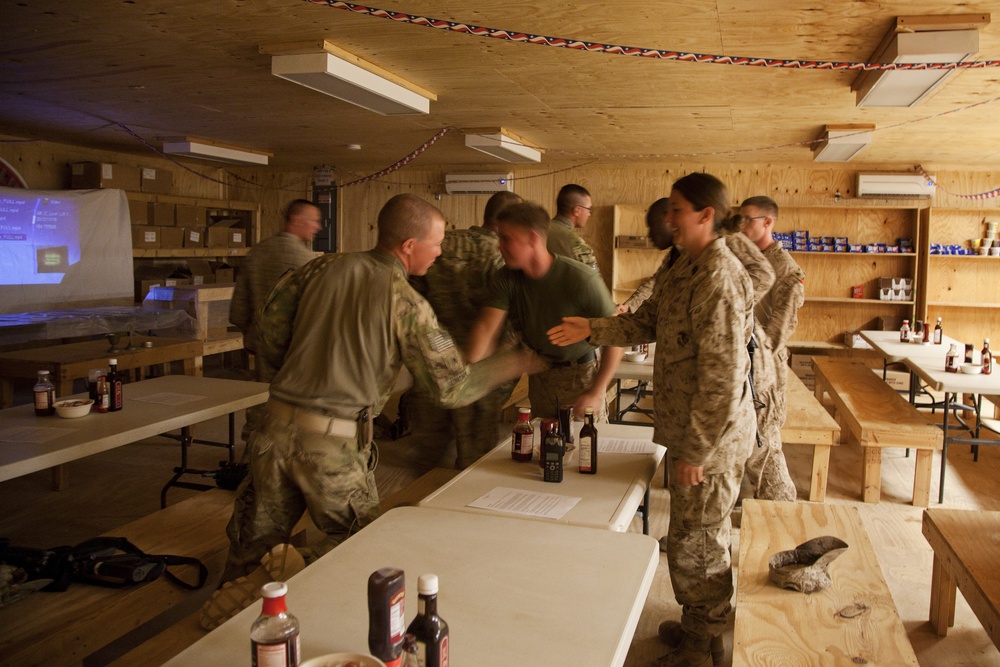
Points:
(857, 255)
(952, 304)
(160, 253)
(963, 257)
(847, 299)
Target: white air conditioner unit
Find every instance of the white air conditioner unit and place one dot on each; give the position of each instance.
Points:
(478, 184)
(894, 185)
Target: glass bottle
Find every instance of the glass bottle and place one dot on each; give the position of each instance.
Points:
(904, 332)
(114, 382)
(588, 443)
(45, 395)
(987, 357)
(103, 401)
(386, 614)
(951, 359)
(938, 332)
(411, 657)
(274, 636)
(522, 436)
(429, 629)
(566, 425)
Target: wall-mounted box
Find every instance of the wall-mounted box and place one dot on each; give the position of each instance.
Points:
(102, 175)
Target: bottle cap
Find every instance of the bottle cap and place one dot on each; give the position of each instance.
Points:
(47, 373)
(588, 411)
(427, 584)
(274, 589)
(985, 340)
(524, 411)
(113, 362)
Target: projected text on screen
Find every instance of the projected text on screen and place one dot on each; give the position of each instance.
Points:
(39, 239)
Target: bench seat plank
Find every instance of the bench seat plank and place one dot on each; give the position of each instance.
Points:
(876, 416)
(808, 423)
(852, 621)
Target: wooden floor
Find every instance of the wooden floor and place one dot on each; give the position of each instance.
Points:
(113, 488)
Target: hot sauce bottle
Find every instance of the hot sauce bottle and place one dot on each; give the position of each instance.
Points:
(522, 436)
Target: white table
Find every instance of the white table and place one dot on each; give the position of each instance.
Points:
(931, 371)
(21, 452)
(642, 373)
(887, 344)
(513, 592)
(609, 499)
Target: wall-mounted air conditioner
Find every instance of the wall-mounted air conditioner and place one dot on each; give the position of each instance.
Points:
(894, 185)
(478, 184)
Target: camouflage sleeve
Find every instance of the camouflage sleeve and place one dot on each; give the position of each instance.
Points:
(786, 297)
(753, 260)
(432, 357)
(583, 253)
(640, 295)
(718, 322)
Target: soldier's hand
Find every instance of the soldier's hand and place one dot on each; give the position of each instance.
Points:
(689, 475)
(591, 399)
(572, 330)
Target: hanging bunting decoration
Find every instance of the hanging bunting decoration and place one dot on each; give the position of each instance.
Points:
(995, 192)
(636, 51)
(402, 162)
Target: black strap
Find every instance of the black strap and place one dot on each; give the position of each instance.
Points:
(97, 563)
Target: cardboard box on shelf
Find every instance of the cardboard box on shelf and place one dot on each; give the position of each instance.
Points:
(207, 304)
(102, 175)
(194, 237)
(888, 323)
(145, 236)
(171, 237)
(142, 287)
(802, 366)
(138, 212)
(224, 273)
(854, 340)
(160, 214)
(221, 233)
(154, 179)
(189, 216)
(201, 271)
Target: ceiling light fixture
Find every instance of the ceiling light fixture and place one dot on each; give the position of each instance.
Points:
(840, 143)
(210, 150)
(502, 145)
(918, 39)
(335, 72)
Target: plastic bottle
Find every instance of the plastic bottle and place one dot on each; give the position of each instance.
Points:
(386, 618)
(904, 332)
(45, 395)
(522, 436)
(588, 444)
(987, 357)
(951, 359)
(938, 332)
(274, 636)
(114, 382)
(429, 629)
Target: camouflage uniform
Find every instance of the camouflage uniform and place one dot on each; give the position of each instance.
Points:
(700, 316)
(564, 240)
(349, 322)
(456, 286)
(259, 273)
(777, 313)
(766, 469)
(645, 290)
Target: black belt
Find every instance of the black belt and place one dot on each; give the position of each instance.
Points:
(585, 359)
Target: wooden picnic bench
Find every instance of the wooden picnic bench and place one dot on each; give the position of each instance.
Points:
(808, 423)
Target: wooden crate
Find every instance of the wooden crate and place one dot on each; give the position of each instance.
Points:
(207, 304)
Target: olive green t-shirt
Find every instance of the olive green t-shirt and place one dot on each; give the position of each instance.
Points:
(535, 306)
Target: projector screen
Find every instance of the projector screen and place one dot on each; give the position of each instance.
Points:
(62, 248)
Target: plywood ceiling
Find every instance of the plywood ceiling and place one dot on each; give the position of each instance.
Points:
(72, 72)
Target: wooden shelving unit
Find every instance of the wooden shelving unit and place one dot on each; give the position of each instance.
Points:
(630, 267)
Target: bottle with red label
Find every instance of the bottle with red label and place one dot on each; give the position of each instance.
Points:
(521, 440)
(951, 359)
(114, 382)
(429, 629)
(904, 332)
(45, 395)
(274, 636)
(987, 357)
(386, 619)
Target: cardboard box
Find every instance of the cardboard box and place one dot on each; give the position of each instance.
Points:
(102, 175)
(223, 272)
(171, 237)
(138, 212)
(858, 292)
(222, 232)
(889, 323)
(142, 287)
(237, 237)
(154, 179)
(160, 214)
(802, 366)
(145, 236)
(854, 340)
(201, 271)
(898, 380)
(194, 237)
(207, 304)
(189, 216)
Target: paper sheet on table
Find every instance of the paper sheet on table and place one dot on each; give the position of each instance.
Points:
(528, 503)
(168, 398)
(34, 435)
(624, 445)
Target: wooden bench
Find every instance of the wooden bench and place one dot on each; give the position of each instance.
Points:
(965, 544)
(55, 629)
(852, 621)
(875, 415)
(187, 631)
(808, 423)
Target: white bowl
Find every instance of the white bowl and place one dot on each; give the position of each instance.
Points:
(972, 369)
(343, 660)
(635, 356)
(73, 408)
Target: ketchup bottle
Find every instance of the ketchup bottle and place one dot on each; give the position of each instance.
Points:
(386, 622)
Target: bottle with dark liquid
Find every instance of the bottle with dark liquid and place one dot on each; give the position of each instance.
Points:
(521, 440)
(114, 382)
(566, 425)
(987, 357)
(429, 629)
(386, 615)
(938, 332)
(274, 636)
(588, 444)
(45, 395)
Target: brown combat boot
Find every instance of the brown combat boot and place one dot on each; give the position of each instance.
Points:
(673, 635)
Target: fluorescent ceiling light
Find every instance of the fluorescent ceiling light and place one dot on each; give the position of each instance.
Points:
(840, 143)
(502, 146)
(918, 39)
(208, 150)
(332, 71)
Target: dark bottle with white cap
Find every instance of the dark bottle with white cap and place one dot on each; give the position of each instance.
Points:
(429, 629)
(274, 636)
(114, 381)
